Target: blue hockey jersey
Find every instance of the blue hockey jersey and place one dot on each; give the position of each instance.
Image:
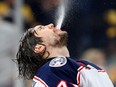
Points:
(65, 72)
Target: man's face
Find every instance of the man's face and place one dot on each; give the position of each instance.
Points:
(51, 36)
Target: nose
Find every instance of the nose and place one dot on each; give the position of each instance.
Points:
(50, 26)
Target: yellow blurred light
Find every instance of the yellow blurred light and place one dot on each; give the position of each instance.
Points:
(27, 13)
(110, 17)
(4, 8)
(111, 32)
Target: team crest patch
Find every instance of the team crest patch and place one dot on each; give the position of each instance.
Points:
(58, 62)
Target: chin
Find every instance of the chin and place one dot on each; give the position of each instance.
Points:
(63, 39)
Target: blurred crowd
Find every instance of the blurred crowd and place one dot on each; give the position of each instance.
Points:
(91, 25)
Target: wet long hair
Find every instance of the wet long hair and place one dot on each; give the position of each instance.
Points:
(29, 61)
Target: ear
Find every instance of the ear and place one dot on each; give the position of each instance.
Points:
(39, 48)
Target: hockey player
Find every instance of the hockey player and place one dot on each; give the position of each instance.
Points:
(43, 56)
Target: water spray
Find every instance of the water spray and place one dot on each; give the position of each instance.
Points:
(60, 14)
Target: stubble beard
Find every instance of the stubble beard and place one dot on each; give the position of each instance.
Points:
(62, 41)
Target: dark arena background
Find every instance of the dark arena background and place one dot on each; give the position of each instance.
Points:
(91, 25)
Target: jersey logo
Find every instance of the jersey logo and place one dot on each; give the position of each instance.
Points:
(58, 62)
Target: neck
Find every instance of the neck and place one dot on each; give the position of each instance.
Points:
(58, 52)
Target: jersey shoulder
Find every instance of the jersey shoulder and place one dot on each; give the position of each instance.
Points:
(58, 66)
(86, 63)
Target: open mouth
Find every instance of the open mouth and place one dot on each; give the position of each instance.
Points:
(56, 30)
